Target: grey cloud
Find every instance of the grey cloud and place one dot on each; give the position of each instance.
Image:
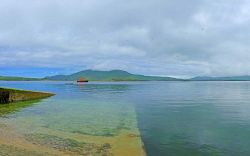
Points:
(157, 37)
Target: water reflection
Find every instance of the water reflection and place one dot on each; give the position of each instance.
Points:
(195, 118)
(6, 109)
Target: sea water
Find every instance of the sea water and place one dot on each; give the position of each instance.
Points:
(168, 118)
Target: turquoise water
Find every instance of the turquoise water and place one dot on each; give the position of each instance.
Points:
(174, 118)
(85, 109)
(79, 119)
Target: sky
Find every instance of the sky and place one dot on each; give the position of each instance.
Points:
(177, 38)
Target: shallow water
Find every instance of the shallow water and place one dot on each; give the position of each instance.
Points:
(174, 118)
(81, 119)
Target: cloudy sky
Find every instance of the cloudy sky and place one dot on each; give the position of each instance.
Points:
(181, 38)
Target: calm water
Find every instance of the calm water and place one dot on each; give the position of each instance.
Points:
(174, 118)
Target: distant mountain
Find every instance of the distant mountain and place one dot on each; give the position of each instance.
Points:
(230, 78)
(12, 78)
(113, 75)
(120, 75)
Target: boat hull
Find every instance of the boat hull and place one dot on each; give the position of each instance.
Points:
(82, 81)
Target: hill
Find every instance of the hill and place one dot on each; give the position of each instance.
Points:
(230, 78)
(113, 75)
(12, 78)
(120, 75)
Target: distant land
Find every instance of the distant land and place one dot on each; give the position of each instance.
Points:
(12, 78)
(120, 75)
(113, 75)
(229, 78)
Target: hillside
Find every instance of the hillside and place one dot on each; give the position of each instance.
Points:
(113, 75)
(12, 78)
(120, 75)
(230, 78)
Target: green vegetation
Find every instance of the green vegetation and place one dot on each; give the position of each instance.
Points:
(230, 78)
(11, 78)
(7, 109)
(113, 75)
(8, 95)
(8, 150)
(70, 145)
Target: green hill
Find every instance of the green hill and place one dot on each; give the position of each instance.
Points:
(120, 75)
(230, 78)
(12, 78)
(113, 75)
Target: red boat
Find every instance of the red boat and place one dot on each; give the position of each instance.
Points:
(82, 79)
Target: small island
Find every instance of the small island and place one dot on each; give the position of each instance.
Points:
(8, 95)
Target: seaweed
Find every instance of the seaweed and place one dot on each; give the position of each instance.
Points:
(69, 145)
(8, 150)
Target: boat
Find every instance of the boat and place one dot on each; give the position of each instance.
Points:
(82, 79)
